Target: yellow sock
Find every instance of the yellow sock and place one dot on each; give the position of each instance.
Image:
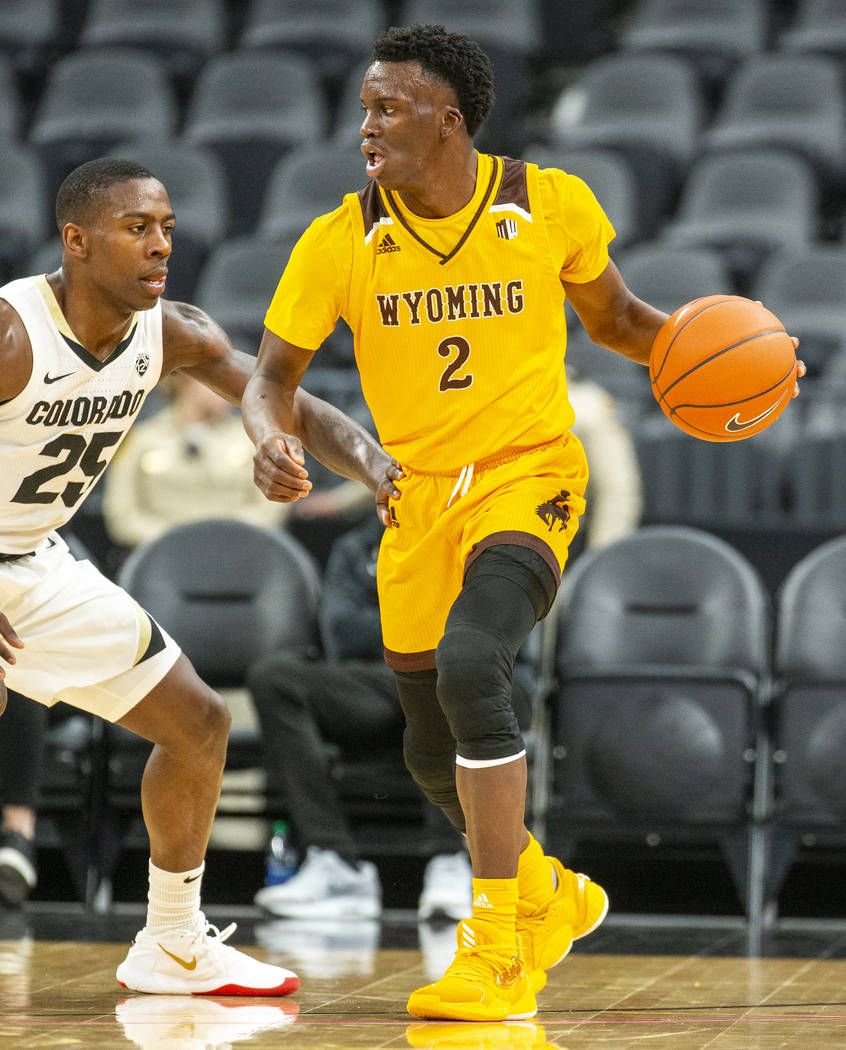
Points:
(535, 875)
(495, 910)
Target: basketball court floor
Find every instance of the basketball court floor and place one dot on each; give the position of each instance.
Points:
(640, 981)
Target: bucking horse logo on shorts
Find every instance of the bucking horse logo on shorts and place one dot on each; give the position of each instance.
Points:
(555, 510)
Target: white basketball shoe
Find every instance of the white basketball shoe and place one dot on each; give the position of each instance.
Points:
(184, 962)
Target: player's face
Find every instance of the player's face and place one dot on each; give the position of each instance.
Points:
(129, 243)
(403, 113)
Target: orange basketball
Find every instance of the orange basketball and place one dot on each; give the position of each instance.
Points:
(722, 368)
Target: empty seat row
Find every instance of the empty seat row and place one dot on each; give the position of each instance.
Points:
(686, 703)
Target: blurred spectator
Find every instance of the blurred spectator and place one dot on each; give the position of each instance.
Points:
(614, 494)
(190, 460)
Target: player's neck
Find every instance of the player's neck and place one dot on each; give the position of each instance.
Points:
(445, 191)
(96, 324)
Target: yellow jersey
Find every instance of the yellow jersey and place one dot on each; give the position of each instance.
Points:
(458, 322)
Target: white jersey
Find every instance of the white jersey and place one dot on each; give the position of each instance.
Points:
(58, 435)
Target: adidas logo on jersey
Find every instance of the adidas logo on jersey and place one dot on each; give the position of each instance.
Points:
(481, 901)
(387, 244)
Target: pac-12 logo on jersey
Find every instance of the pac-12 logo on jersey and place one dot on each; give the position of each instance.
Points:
(142, 363)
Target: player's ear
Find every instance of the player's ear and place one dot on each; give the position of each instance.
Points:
(451, 120)
(74, 240)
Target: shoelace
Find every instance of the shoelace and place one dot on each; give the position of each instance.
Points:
(210, 930)
(502, 957)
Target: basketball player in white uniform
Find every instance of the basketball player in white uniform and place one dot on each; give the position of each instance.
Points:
(80, 349)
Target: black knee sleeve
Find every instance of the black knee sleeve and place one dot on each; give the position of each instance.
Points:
(506, 590)
(428, 743)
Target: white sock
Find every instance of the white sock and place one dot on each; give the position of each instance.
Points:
(173, 899)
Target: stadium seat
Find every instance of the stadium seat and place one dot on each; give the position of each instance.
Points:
(250, 107)
(648, 107)
(804, 287)
(746, 204)
(11, 104)
(814, 471)
(786, 101)
(808, 710)
(306, 183)
(34, 32)
(95, 99)
(346, 122)
(714, 34)
(667, 278)
(610, 177)
(237, 283)
(24, 219)
(182, 32)
(196, 184)
(333, 34)
(662, 655)
(719, 486)
(819, 26)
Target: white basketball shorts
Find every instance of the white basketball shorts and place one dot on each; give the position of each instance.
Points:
(87, 642)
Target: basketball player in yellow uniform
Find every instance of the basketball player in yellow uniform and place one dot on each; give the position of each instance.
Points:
(451, 268)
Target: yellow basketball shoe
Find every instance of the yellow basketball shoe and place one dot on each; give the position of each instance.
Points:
(484, 982)
(546, 934)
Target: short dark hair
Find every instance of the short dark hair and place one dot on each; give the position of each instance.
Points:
(452, 57)
(87, 186)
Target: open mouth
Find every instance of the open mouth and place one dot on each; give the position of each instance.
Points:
(155, 282)
(375, 161)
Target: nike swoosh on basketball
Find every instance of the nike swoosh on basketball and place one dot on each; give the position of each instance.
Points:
(55, 379)
(734, 424)
(185, 965)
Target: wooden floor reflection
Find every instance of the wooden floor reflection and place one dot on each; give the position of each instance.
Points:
(628, 990)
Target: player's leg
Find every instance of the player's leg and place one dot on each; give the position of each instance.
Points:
(506, 590)
(178, 952)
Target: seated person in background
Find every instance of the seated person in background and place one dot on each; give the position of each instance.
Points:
(22, 736)
(190, 460)
(615, 491)
(348, 699)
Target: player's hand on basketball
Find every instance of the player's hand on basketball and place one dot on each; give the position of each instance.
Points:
(279, 468)
(8, 637)
(387, 491)
(800, 369)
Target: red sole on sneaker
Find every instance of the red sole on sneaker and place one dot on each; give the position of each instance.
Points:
(291, 984)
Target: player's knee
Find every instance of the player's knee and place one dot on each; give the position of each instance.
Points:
(207, 730)
(474, 688)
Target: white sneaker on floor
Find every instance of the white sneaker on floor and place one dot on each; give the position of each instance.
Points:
(325, 887)
(197, 1024)
(447, 888)
(181, 962)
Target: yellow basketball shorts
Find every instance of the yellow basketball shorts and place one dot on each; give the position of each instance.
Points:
(531, 497)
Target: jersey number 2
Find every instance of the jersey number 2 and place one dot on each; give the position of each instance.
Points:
(77, 450)
(459, 345)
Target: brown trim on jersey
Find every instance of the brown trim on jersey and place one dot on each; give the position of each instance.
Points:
(517, 539)
(372, 207)
(423, 661)
(483, 205)
(514, 188)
